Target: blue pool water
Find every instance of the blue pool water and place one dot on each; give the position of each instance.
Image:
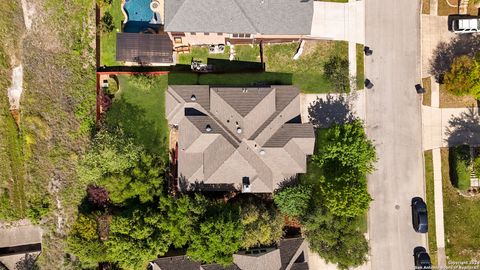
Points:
(138, 10)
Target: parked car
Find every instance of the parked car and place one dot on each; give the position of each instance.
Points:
(464, 24)
(419, 215)
(422, 259)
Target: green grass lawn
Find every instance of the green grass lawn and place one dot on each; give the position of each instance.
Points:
(459, 162)
(430, 199)
(202, 54)
(139, 109)
(108, 40)
(360, 67)
(307, 72)
(461, 218)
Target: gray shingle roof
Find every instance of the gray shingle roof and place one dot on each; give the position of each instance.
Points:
(212, 152)
(176, 263)
(288, 132)
(274, 17)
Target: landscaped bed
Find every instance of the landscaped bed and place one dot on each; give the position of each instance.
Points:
(308, 71)
(449, 100)
(461, 218)
(139, 109)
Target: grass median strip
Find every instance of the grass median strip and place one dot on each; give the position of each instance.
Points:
(430, 199)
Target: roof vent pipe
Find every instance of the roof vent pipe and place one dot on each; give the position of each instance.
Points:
(208, 128)
(239, 130)
(193, 98)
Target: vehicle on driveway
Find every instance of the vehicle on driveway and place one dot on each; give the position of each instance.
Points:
(419, 215)
(422, 259)
(464, 24)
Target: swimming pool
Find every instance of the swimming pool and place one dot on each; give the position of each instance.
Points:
(138, 10)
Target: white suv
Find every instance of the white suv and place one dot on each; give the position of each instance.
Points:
(467, 24)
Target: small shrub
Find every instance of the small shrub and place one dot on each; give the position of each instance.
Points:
(459, 159)
(293, 201)
(336, 71)
(107, 25)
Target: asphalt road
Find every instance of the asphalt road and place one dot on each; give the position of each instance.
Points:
(393, 119)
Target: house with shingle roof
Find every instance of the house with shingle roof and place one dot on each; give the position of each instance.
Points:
(246, 139)
(194, 22)
(290, 254)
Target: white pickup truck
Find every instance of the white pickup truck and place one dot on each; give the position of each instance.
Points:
(467, 24)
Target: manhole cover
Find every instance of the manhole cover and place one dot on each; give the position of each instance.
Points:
(397, 206)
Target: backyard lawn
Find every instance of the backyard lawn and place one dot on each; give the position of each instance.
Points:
(430, 199)
(462, 218)
(108, 39)
(307, 72)
(139, 109)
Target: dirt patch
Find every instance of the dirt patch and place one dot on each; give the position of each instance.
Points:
(448, 100)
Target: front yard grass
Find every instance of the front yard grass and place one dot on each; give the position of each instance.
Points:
(139, 109)
(108, 40)
(444, 9)
(426, 6)
(427, 96)
(430, 199)
(462, 218)
(307, 72)
(360, 66)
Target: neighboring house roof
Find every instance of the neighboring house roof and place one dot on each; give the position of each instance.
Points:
(228, 136)
(269, 17)
(289, 255)
(175, 263)
(144, 48)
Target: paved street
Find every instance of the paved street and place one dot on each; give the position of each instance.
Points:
(393, 114)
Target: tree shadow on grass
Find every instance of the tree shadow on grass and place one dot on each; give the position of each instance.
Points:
(132, 120)
(331, 110)
(446, 52)
(464, 129)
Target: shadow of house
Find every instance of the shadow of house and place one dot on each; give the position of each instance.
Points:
(446, 52)
(329, 111)
(464, 129)
(224, 66)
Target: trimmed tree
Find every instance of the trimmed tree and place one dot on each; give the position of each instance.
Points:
(464, 77)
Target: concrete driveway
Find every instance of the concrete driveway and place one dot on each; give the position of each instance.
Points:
(450, 127)
(332, 108)
(434, 31)
(339, 21)
(394, 122)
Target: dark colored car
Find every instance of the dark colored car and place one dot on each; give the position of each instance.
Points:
(422, 259)
(419, 215)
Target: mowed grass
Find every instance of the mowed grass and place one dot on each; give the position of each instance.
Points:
(139, 109)
(427, 96)
(307, 72)
(360, 66)
(461, 218)
(449, 100)
(202, 54)
(430, 199)
(108, 40)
